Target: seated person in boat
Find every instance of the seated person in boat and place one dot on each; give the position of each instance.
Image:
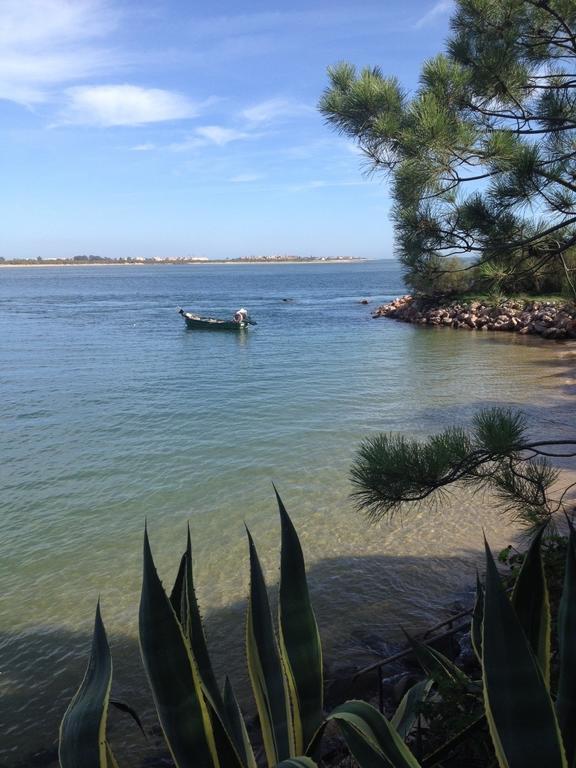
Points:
(241, 316)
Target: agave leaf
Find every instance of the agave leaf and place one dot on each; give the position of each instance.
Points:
(173, 676)
(371, 739)
(518, 707)
(194, 631)
(112, 762)
(407, 711)
(265, 668)
(83, 728)
(566, 699)
(237, 726)
(298, 762)
(178, 588)
(300, 644)
(436, 665)
(532, 605)
(477, 619)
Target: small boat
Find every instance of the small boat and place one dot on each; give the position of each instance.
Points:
(213, 323)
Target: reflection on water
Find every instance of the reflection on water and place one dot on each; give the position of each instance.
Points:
(114, 413)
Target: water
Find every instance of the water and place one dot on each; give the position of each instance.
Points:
(113, 413)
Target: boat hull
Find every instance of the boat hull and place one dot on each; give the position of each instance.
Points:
(198, 323)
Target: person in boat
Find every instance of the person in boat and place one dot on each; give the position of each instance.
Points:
(241, 315)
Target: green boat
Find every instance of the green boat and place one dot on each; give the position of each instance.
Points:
(197, 322)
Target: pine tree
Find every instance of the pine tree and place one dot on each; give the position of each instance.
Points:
(482, 157)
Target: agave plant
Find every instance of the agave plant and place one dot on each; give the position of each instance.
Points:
(202, 725)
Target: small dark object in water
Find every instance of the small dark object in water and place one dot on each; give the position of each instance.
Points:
(364, 301)
(213, 323)
(287, 299)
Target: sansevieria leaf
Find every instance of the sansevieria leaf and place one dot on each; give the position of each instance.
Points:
(83, 728)
(265, 668)
(300, 644)
(566, 699)
(518, 707)
(173, 676)
(532, 605)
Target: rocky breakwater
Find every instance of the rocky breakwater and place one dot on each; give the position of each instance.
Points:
(549, 319)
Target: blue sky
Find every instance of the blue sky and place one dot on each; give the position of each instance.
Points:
(190, 129)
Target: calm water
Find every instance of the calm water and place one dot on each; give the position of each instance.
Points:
(112, 413)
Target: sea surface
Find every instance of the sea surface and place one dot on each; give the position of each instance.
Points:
(113, 413)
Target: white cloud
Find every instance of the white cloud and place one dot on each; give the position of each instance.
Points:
(441, 8)
(143, 148)
(46, 43)
(218, 134)
(274, 109)
(246, 178)
(109, 105)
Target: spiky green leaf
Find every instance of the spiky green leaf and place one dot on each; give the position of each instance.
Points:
(477, 619)
(438, 666)
(172, 674)
(265, 668)
(237, 726)
(371, 739)
(566, 699)
(518, 707)
(194, 631)
(408, 710)
(297, 762)
(532, 605)
(83, 727)
(299, 637)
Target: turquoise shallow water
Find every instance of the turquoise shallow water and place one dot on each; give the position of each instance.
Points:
(113, 413)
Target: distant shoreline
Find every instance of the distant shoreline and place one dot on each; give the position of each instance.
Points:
(211, 262)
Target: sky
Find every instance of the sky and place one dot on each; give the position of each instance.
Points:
(166, 128)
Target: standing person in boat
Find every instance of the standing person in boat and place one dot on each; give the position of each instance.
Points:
(241, 316)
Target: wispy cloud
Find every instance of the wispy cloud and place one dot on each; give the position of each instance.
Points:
(275, 109)
(442, 8)
(143, 148)
(246, 178)
(220, 135)
(46, 43)
(212, 135)
(110, 105)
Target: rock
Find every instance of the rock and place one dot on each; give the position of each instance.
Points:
(362, 301)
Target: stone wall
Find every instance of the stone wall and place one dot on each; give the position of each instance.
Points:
(551, 320)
